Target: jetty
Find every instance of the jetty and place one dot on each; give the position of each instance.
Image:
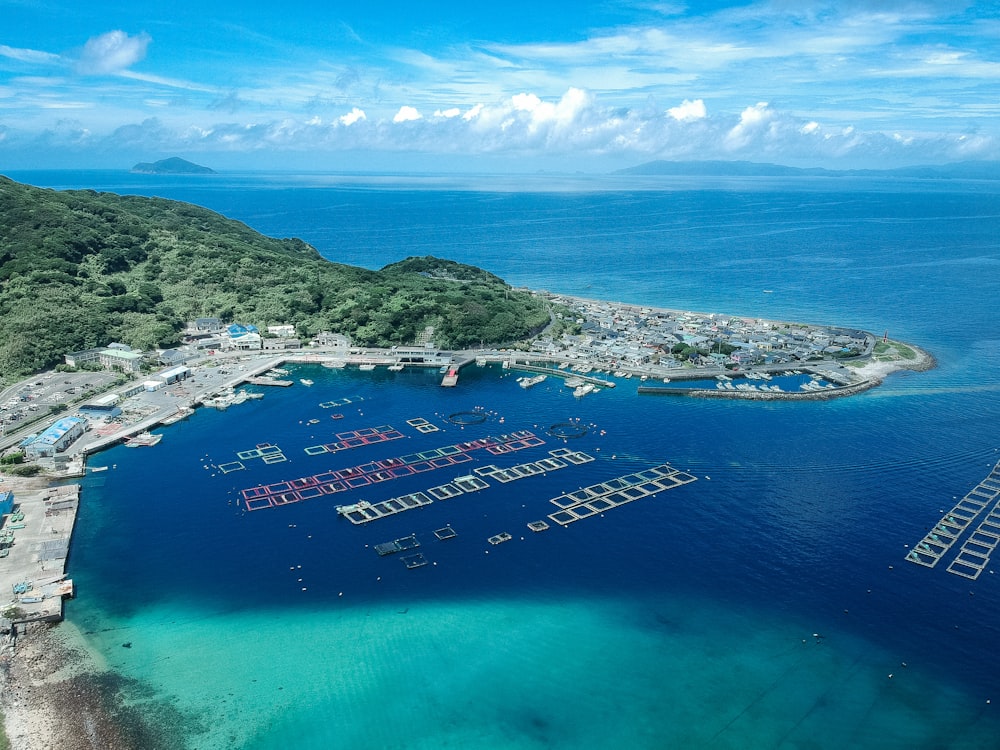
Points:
(269, 381)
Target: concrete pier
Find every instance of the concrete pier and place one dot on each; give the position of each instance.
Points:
(35, 564)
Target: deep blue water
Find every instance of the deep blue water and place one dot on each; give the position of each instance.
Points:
(798, 523)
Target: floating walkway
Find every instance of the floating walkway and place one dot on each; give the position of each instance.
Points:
(598, 498)
(397, 545)
(560, 459)
(356, 439)
(332, 482)
(422, 425)
(340, 402)
(975, 552)
(268, 453)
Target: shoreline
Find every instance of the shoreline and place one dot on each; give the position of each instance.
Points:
(56, 692)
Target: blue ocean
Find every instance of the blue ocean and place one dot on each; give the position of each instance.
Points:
(768, 604)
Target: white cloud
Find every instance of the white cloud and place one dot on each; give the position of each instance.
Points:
(688, 111)
(112, 52)
(28, 55)
(448, 113)
(473, 113)
(809, 127)
(406, 113)
(355, 115)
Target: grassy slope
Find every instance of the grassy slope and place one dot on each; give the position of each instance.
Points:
(80, 269)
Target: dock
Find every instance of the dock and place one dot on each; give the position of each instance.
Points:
(35, 547)
(256, 380)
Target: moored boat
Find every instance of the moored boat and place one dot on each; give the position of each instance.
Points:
(143, 439)
(528, 382)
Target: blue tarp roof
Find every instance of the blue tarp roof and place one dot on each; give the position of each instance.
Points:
(236, 330)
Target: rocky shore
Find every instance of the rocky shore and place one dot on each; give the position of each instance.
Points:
(55, 693)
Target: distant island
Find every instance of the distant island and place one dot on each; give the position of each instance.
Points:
(959, 170)
(173, 165)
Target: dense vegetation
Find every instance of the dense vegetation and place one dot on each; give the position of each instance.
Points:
(80, 269)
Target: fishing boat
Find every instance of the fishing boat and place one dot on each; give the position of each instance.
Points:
(584, 389)
(143, 439)
(528, 382)
(305, 381)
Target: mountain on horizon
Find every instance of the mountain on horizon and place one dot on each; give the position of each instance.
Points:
(957, 170)
(173, 165)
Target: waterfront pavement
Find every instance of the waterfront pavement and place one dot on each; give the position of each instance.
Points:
(36, 557)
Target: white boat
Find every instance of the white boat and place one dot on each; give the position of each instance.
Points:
(584, 389)
(367, 366)
(396, 367)
(335, 365)
(305, 381)
(528, 382)
(143, 439)
(98, 468)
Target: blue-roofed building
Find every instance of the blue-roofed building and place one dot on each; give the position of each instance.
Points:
(243, 337)
(6, 503)
(56, 438)
(236, 330)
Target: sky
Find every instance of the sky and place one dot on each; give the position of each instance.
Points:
(515, 86)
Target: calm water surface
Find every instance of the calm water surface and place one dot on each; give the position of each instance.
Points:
(764, 605)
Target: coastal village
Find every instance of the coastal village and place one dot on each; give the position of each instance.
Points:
(53, 421)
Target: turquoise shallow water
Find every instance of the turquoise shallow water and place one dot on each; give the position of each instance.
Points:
(685, 620)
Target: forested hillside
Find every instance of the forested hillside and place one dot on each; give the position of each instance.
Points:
(79, 269)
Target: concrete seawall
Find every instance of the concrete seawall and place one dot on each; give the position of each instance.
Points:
(824, 394)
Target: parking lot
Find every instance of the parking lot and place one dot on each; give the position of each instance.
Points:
(41, 393)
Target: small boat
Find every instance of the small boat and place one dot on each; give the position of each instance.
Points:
(584, 389)
(528, 382)
(305, 381)
(143, 439)
(367, 367)
(98, 468)
(396, 367)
